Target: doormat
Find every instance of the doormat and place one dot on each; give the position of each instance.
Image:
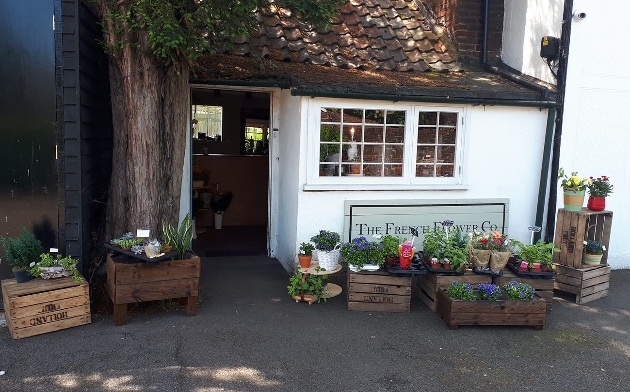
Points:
(235, 252)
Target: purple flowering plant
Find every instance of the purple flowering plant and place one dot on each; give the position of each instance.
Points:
(594, 247)
(360, 251)
(326, 240)
(488, 291)
(460, 290)
(519, 291)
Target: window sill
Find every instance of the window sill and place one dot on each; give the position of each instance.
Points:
(383, 187)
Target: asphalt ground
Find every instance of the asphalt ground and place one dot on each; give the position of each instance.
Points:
(248, 335)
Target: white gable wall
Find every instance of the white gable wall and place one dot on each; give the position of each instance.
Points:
(525, 22)
(596, 135)
(504, 152)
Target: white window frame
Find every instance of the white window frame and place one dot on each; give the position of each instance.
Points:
(408, 180)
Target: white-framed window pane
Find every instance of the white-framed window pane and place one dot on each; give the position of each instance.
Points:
(437, 144)
(207, 121)
(359, 142)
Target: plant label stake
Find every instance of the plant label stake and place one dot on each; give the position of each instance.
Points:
(140, 233)
(54, 250)
(533, 229)
(446, 225)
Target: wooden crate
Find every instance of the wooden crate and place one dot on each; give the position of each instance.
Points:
(544, 287)
(502, 312)
(573, 228)
(588, 284)
(45, 305)
(378, 292)
(427, 286)
(139, 282)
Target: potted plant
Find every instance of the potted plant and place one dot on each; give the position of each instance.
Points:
(180, 239)
(327, 245)
(456, 251)
(219, 203)
(460, 290)
(359, 252)
(21, 252)
(480, 250)
(488, 291)
(390, 248)
(534, 255)
(593, 252)
(433, 246)
(305, 254)
(56, 267)
(574, 188)
(500, 251)
(598, 189)
(306, 287)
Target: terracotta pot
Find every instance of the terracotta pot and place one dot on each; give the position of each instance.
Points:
(544, 268)
(523, 269)
(596, 203)
(535, 269)
(305, 261)
(447, 265)
(390, 261)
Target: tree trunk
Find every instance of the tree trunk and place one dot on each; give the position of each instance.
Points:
(150, 110)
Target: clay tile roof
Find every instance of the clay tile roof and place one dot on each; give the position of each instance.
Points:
(391, 35)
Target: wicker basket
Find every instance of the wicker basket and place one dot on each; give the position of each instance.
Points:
(328, 259)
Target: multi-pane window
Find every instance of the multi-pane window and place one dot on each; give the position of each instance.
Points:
(437, 143)
(361, 142)
(397, 143)
(207, 121)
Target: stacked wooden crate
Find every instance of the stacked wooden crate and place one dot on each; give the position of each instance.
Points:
(572, 229)
(427, 286)
(378, 292)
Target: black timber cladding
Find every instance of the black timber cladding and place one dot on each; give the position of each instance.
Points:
(88, 129)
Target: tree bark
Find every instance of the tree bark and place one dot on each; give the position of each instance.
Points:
(150, 110)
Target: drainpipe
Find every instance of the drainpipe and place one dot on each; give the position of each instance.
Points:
(565, 39)
(549, 153)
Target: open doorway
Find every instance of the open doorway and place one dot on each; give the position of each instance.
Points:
(230, 171)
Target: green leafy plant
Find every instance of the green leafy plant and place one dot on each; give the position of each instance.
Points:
(326, 240)
(458, 257)
(600, 187)
(306, 248)
(21, 251)
(540, 252)
(460, 290)
(181, 238)
(434, 243)
(300, 284)
(47, 261)
(518, 291)
(594, 247)
(360, 251)
(390, 245)
(572, 182)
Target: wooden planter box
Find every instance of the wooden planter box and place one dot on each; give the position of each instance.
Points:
(45, 305)
(572, 228)
(588, 284)
(378, 292)
(427, 286)
(502, 312)
(544, 287)
(138, 282)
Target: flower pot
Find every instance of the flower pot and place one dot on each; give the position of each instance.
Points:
(535, 267)
(305, 261)
(22, 276)
(591, 259)
(523, 267)
(481, 258)
(573, 200)
(390, 261)
(447, 265)
(544, 268)
(596, 203)
(434, 264)
(498, 260)
(328, 259)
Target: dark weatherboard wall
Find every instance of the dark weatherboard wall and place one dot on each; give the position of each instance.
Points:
(29, 132)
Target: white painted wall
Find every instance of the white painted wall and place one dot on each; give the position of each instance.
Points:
(504, 154)
(289, 145)
(525, 22)
(596, 135)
